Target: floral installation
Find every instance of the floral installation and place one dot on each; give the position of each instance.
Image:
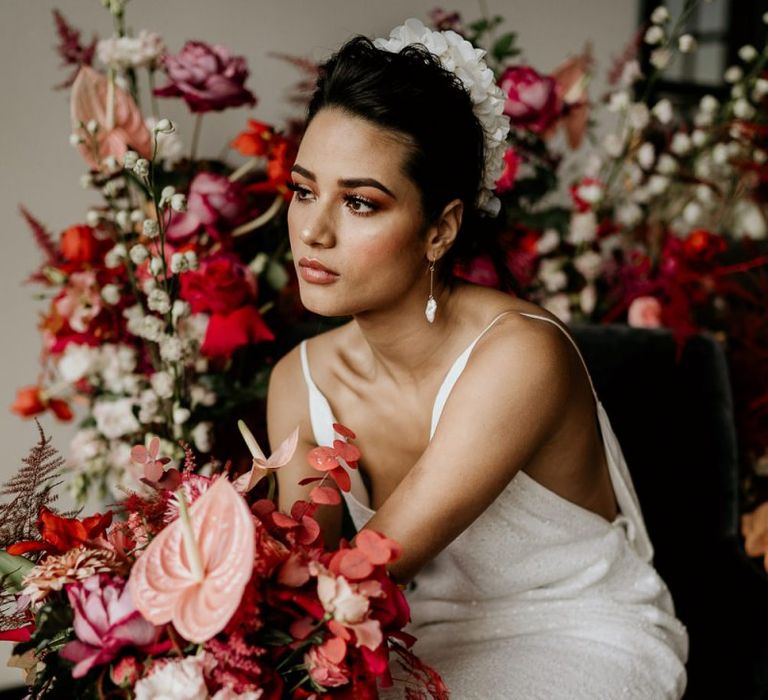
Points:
(200, 588)
(635, 210)
(164, 312)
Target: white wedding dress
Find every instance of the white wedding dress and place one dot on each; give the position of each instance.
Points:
(539, 598)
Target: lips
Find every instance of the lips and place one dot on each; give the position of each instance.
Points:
(314, 272)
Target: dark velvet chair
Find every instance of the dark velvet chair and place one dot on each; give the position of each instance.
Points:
(674, 421)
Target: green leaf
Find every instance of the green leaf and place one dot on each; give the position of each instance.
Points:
(504, 46)
(13, 569)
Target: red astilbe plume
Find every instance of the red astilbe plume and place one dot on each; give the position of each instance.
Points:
(69, 48)
(45, 242)
(301, 91)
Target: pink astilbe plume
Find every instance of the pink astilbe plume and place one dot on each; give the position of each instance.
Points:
(69, 48)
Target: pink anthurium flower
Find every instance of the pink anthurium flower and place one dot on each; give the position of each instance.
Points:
(261, 464)
(194, 572)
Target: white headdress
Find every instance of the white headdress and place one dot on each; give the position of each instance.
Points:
(459, 56)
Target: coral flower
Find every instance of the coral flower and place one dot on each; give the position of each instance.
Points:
(32, 401)
(59, 534)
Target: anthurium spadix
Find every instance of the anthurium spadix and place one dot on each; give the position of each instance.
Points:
(261, 465)
(194, 572)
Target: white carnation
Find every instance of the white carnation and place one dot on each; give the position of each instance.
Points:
(141, 51)
(115, 418)
(174, 680)
(77, 361)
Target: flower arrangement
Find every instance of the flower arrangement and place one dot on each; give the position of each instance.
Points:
(202, 589)
(163, 310)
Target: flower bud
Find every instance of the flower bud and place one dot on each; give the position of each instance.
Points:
(660, 58)
(191, 257)
(686, 43)
(75, 139)
(92, 217)
(110, 293)
(86, 181)
(130, 159)
(139, 254)
(180, 308)
(92, 126)
(165, 126)
(708, 104)
(110, 163)
(181, 415)
(660, 15)
(654, 35)
(156, 265)
(123, 219)
(178, 263)
(733, 74)
(179, 202)
(115, 256)
(166, 194)
(142, 167)
(747, 53)
(151, 228)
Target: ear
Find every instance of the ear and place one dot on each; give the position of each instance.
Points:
(443, 232)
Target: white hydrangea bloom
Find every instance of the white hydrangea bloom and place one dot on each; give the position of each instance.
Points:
(460, 57)
(115, 418)
(141, 51)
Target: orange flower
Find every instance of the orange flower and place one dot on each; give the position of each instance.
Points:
(256, 141)
(59, 534)
(32, 401)
(78, 245)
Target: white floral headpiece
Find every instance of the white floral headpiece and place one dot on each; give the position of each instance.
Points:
(460, 57)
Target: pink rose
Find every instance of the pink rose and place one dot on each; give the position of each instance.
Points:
(213, 202)
(208, 78)
(645, 312)
(106, 621)
(532, 100)
(324, 663)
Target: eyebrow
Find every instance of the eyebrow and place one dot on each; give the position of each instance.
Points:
(348, 182)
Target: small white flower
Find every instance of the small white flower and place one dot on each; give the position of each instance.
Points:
(150, 228)
(703, 165)
(666, 164)
(162, 383)
(179, 310)
(115, 256)
(646, 154)
(92, 126)
(748, 220)
(142, 51)
(137, 216)
(159, 301)
(171, 348)
(548, 241)
(588, 299)
(166, 194)
(618, 101)
(614, 145)
(112, 188)
(737, 91)
(92, 217)
(178, 263)
(200, 395)
(760, 157)
(663, 111)
(705, 194)
(681, 144)
(110, 163)
(760, 89)
(165, 126)
(660, 15)
(115, 418)
(709, 104)
(583, 228)
(86, 181)
(638, 116)
(748, 53)
(589, 264)
(142, 167)
(179, 202)
(630, 73)
(77, 361)
(123, 219)
(75, 139)
(698, 138)
(139, 254)
(148, 285)
(654, 35)
(657, 184)
(110, 293)
(733, 74)
(170, 148)
(591, 193)
(191, 257)
(743, 109)
(765, 18)
(181, 415)
(202, 436)
(130, 159)
(629, 214)
(156, 265)
(551, 275)
(149, 405)
(691, 213)
(660, 58)
(686, 43)
(560, 306)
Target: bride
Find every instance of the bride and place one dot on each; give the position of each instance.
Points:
(486, 452)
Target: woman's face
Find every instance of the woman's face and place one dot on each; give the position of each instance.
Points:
(355, 213)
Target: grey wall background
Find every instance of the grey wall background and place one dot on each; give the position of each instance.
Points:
(39, 169)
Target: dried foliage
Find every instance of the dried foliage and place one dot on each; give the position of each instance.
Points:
(30, 489)
(69, 48)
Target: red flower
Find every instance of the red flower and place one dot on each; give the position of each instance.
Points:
(78, 245)
(208, 78)
(20, 634)
(257, 141)
(509, 175)
(221, 285)
(32, 401)
(532, 99)
(279, 163)
(702, 246)
(61, 534)
(227, 332)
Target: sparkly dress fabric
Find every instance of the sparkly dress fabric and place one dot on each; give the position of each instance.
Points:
(538, 598)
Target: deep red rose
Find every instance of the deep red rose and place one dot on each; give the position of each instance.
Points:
(220, 285)
(78, 244)
(532, 99)
(227, 332)
(208, 78)
(214, 203)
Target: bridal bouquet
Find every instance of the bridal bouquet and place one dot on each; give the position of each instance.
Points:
(163, 311)
(202, 589)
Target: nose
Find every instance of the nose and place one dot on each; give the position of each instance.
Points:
(318, 229)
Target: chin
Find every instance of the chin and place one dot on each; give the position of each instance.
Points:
(324, 302)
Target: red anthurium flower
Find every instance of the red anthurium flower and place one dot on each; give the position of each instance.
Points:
(32, 401)
(59, 534)
(257, 140)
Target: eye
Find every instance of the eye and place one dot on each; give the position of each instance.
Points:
(360, 206)
(301, 192)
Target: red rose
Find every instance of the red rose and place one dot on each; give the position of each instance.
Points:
(78, 245)
(532, 99)
(208, 78)
(227, 332)
(221, 284)
(702, 246)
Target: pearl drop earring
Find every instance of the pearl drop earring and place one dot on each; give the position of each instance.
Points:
(429, 312)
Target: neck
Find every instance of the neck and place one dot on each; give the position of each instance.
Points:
(402, 343)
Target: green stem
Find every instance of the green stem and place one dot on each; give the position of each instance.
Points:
(152, 98)
(196, 136)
